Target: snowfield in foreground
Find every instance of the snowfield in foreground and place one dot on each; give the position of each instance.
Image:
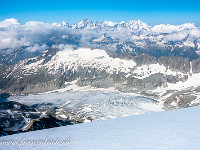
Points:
(169, 130)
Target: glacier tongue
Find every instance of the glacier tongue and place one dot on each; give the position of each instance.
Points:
(93, 104)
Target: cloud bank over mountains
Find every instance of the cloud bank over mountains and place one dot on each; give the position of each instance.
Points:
(38, 36)
(14, 35)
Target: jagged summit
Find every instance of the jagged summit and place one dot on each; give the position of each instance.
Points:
(85, 23)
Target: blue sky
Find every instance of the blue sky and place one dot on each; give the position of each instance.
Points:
(149, 11)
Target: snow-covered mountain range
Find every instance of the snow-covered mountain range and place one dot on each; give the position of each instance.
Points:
(133, 37)
(159, 62)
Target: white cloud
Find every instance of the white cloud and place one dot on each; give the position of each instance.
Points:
(34, 35)
(195, 33)
(176, 36)
(168, 28)
(14, 35)
(37, 47)
(64, 46)
(9, 22)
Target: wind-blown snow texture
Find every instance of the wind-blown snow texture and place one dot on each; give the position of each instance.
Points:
(170, 130)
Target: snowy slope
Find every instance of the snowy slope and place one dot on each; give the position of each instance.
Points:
(69, 59)
(72, 59)
(170, 130)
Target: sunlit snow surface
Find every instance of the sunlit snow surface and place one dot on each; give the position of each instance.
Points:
(168, 130)
(92, 103)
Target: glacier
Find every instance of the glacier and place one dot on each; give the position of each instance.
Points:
(96, 104)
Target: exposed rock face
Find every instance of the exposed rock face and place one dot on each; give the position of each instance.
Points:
(18, 81)
(196, 65)
(4, 96)
(45, 123)
(16, 118)
(145, 59)
(179, 101)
